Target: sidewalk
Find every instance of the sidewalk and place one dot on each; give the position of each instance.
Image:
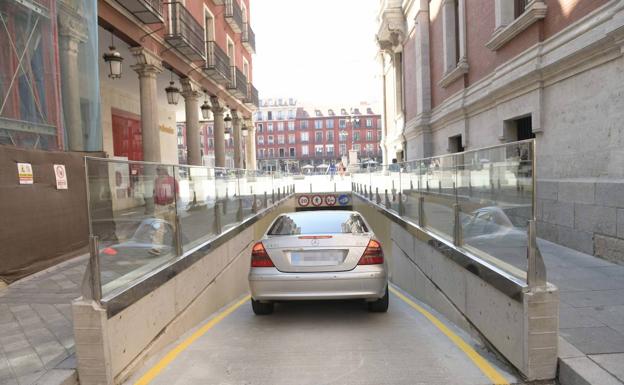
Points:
(36, 323)
(36, 332)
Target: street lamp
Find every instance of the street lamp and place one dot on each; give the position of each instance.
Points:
(228, 126)
(205, 108)
(173, 92)
(113, 58)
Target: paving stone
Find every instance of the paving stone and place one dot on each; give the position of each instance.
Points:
(610, 194)
(620, 223)
(559, 213)
(608, 315)
(613, 363)
(24, 361)
(594, 340)
(576, 239)
(576, 191)
(576, 318)
(594, 298)
(595, 219)
(583, 371)
(609, 248)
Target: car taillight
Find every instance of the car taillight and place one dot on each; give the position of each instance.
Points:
(260, 257)
(373, 255)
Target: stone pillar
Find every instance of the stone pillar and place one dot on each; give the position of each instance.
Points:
(250, 147)
(219, 132)
(191, 94)
(238, 143)
(72, 31)
(148, 67)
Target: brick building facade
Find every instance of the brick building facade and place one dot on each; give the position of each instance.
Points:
(459, 75)
(289, 135)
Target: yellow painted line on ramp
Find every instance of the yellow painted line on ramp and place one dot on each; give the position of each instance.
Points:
(487, 369)
(173, 353)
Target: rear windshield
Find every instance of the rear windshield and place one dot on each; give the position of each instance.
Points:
(319, 222)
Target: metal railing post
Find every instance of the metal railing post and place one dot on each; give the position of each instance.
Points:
(178, 236)
(254, 205)
(387, 199)
(377, 196)
(92, 280)
(266, 200)
(536, 272)
(370, 193)
(272, 196)
(217, 219)
(401, 207)
(421, 212)
(239, 211)
(458, 238)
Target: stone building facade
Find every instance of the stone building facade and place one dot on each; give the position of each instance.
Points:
(58, 90)
(459, 75)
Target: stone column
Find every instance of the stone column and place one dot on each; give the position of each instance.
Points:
(148, 67)
(219, 132)
(250, 147)
(191, 94)
(72, 31)
(238, 143)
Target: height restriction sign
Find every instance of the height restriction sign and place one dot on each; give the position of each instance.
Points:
(303, 200)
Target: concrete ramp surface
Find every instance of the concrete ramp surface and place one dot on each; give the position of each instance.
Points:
(326, 342)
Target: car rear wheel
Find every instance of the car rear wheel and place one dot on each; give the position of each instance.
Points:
(380, 305)
(261, 308)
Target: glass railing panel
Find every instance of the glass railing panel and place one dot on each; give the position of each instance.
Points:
(411, 188)
(229, 204)
(495, 191)
(196, 205)
(439, 196)
(132, 212)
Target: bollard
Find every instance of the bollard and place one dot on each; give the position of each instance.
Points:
(272, 196)
(266, 200)
(239, 211)
(225, 203)
(458, 238)
(439, 187)
(469, 188)
(401, 207)
(226, 193)
(411, 185)
(254, 204)
(387, 199)
(377, 196)
(370, 193)
(251, 190)
(279, 194)
(427, 187)
(365, 192)
(217, 219)
(421, 212)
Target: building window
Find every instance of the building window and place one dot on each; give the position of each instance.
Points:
(269, 127)
(519, 7)
(280, 126)
(454, 44)
(343, 149)
(356, 136)
(304, 137)
(259, 116)
(269, 115)
(455, 144)
(270, 139)
(378, 134)
(369, 149)
(318, 124)
(291, 138)
(330, 149)
(271, 153)
(303, 124)
(304, 150)
(291, 114)
(318, 149)
(356, 147)
(330, 136)
(329, 123)
(291, 126)
(318, 138)
(210, 142)
(369, 135)
(356, 123)
(342, 123)
(261, 139)
(282, 152)
(260, 127)
(210, 129)
(280, 139)
(280, 115)
(518, 129)
(369, 123)
(291, 152)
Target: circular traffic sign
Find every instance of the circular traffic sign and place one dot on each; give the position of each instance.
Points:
(317, 200)
(330, 200)
(303, 200)
(60, 171)
(343, 200)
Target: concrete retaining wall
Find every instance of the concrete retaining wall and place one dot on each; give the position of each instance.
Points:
(110, 349)
(524, 331)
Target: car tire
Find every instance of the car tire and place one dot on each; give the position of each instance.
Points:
(380, 305)
(261, 308)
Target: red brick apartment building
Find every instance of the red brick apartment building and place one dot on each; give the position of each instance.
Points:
(463, 74)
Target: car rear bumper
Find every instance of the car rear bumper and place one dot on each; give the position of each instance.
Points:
(270, 284)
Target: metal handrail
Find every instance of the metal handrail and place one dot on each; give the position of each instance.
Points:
(248, 36)
(183, 25)
(234, 11)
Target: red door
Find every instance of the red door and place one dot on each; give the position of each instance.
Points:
(127, 140)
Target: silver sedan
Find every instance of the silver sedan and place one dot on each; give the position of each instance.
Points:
(318, 255)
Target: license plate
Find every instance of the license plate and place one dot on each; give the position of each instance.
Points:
(317, 258)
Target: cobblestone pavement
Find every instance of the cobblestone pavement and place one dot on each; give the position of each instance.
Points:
(36, 332)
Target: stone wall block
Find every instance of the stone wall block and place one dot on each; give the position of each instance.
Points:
(547, 189)
(576, 239)
(547, 231)
(610, 194)
(595, 219)
(578, 192)
(620, 223)
(609, 248)
(558, 213)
